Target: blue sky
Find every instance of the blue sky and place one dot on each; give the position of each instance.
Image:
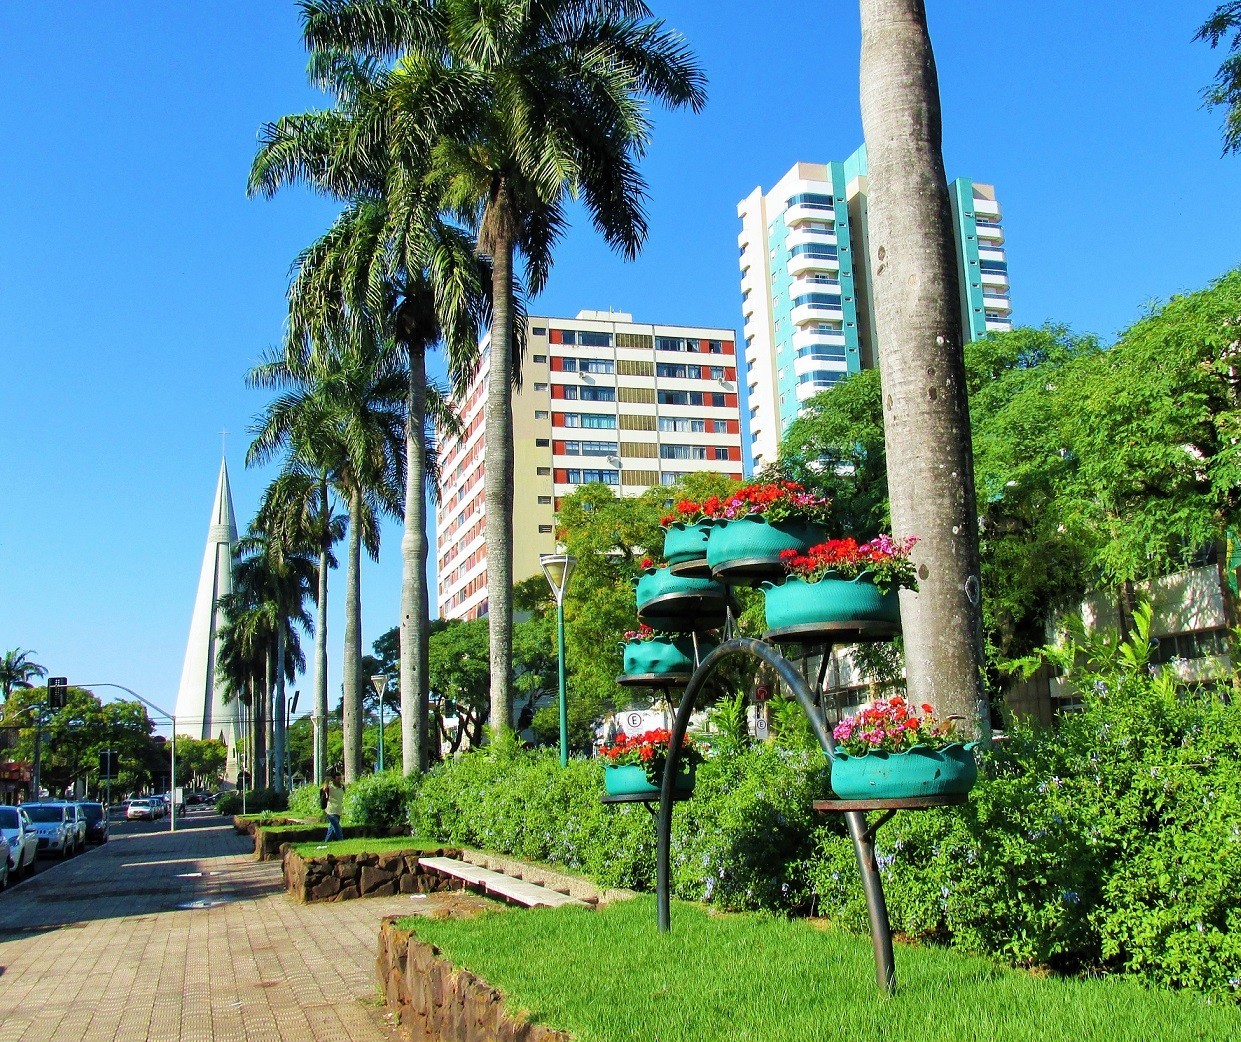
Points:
(138, 283)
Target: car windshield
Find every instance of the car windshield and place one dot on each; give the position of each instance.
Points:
(45, 814)
(93, 812)
(8, 818)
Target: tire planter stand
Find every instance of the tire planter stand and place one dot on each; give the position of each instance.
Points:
(855, 811)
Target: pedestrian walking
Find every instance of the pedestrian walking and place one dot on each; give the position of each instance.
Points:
(332, 799)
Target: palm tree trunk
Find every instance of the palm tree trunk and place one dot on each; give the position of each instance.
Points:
(415, 607)
(498, 485)
(277, 716)
(352, 657)
(269, 705)
(320, 711)
(918, 325)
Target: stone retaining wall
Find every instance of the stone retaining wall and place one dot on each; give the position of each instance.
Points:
(433, 1000)
(343, 877)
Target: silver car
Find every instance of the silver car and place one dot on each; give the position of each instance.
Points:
(56, 825)
(15, 827)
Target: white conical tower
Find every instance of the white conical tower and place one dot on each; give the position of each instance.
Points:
(201, 709)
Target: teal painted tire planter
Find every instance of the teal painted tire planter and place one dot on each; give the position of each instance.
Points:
(684, 543)
(663, 655)
(747, 549)
(659, 582)
(631, 781)
(832, 603)
(919, 771)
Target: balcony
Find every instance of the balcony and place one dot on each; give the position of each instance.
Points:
(996, 302)
(801, 265)
(989, 234)
(995, 280)
(987, 252)
(807, 313)
(987, 209)
(809, 364)
(804, 236)
(800, 212)
(812, 284)
(810, 338)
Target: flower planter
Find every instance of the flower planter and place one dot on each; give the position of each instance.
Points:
(679, 603)
(840, 606)
(747, 549)
(629, 780)
(661, 655)
(684, 543)
(919, 771)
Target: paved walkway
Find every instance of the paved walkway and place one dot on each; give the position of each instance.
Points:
(164, 937)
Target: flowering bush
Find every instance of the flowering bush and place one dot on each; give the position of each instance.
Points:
(884, 558)
(770, 500)
(892, 725)
(648, 750)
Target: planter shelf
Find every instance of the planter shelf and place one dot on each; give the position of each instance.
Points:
(746, 551)
(834, 610)
(680, 604)
(911, 774)
(630, 782)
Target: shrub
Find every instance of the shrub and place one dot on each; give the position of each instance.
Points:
(1111, 841)
(304, 803)
(379, 801)
(257, 801)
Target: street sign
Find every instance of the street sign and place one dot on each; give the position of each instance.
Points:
(108, 765)
(57, 692)
(762, 693)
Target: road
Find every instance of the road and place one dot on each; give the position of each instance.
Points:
(164, 936)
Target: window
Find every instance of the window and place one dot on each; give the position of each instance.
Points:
(588, 339)
(717, 401)
(538, 331)
(569, 365)
(638, 395)
(594, 420)
(569, 392)
(721, 453)
(540, 387)
(682, 424)
(667, 371)
(814, 250)
(715, 347)
(633, 367)
(637, 422)
(822, 377)
(586, 477)
(597, 394)
(540, 414)
(545, 529)
(572, 419)
(544, 472)
(590, 448)
(717, 372)
(545, 501)
(818, 301)
(682, 452)
(822, 353)
(540, 358)
(567, 336)
(671, 477)
(642, 340)
(812, 201)
(682, 398)
(676, 343)
(596, 365)
(541, 443)
(719, 426)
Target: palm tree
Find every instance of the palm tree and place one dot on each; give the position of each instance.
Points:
(391, 263)
(516, 108)
(1225, 23)
(922, 364)
(299, 508)
(343, 404)
(17, 667)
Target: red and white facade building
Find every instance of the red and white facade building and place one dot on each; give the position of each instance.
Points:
(603, 399)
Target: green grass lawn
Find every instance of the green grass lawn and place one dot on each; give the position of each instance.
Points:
(302, 827)
(366, 846)
(609, 976)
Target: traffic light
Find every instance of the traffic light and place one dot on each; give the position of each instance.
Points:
(57, 692)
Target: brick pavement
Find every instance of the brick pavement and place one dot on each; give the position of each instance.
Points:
(156, 937)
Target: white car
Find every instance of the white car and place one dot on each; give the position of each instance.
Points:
(56, 825)
(4, 862)
(141, 810)
(15, 827)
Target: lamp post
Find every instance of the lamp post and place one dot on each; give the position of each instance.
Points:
(558, 568)
(380, 683)
(172, 810)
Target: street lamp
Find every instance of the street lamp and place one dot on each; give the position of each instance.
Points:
(558, 568)
(380, 683)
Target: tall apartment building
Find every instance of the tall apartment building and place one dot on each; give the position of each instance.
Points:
(806, 290)
(603, 399)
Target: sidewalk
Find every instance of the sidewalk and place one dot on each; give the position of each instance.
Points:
(165, 937)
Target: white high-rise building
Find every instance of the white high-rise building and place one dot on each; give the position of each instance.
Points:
(806, 290)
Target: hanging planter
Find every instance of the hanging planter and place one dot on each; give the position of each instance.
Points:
(747, 549)
(919, 771)
(648, 653)
(888, 750)
(635, 764)
(679, 603)
(685, 543)
(832, 604)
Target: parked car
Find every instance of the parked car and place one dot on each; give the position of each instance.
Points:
(16, 828)
(4, 862)
(141, 810)
(96, 822)
(56, 826)
(79, 825)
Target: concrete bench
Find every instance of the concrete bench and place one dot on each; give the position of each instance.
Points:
(498, 883)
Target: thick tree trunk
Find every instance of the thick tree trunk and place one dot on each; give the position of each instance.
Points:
(320, 710)
(499, 487)
(415, 597)
(918, 327)
(269, 715)
(352, 658)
